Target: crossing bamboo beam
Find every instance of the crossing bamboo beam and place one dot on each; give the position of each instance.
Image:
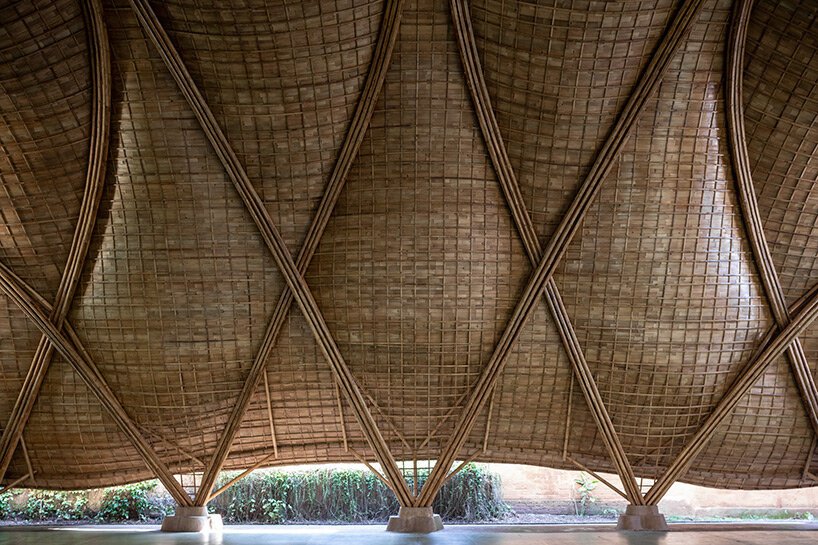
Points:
(281, 254)
(749, 206)
(381, 58)
(672, 39)
(70, 348)
(528, 235)
(100, 64)
(746, 379)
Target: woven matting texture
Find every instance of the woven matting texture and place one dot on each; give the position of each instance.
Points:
(418, 159)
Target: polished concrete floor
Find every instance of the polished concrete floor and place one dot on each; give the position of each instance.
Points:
(744, 534)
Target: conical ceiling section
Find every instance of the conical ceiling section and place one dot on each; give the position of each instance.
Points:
(420, 264)
(45, 121)
(176, 263)
(283, 81)
(659, 282)
(73, 442)
(558, 73)
(764, 443)
(781, 119)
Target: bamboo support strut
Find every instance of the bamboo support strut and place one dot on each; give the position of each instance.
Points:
(647, 84)
(341, 420)
(240, 476)
(270, 415)
(17, 482)
(748, 377)
(291, 272)
(99, 56)
(70, 348)
(749, 206)
(27, 458)
(528, 235)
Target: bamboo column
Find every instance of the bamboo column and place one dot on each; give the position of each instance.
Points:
(528, 235)
(748, 377)
(37, 309)
(349, 150)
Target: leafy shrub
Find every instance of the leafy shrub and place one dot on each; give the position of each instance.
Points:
(584, 493)
(350, 496)
(48, 505)
(6, 507)
(472, 494)
(129, 502)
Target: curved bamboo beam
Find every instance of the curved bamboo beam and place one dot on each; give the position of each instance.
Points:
(748, 377)
(100, 60)
(749, 206)
(71, 349)
(651, 77)
(522, 221)
(381, 59)
(281, 254)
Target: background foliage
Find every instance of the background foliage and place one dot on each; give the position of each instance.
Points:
(272, 497)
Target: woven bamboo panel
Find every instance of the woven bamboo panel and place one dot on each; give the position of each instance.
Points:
(558, 73)
(88, 449)
(422, 262)
(18, 342)
(180, 286)
(304, 403)
(283, 80)
(768, 431)
(420, 265)
(44, 128)
(529, 414)
(781, 115)
(660, 285)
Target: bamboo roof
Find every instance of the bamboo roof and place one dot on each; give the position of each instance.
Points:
(253, 233)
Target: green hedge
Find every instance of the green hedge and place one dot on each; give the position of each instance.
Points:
(326, 495)
(351, 496)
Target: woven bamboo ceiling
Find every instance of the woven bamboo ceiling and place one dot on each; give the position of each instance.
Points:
(566, 233)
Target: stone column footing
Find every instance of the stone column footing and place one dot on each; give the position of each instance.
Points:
(192, 519)
(642, 517)
(415, 520)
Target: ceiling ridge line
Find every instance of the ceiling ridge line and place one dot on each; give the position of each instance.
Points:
(648, 82)
(734, 68)
(70, 347)
(100, 64)
(261, 217)
(525, 228)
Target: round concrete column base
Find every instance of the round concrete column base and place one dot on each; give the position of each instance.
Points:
(192, 519)
(642, 517)
(412, 520)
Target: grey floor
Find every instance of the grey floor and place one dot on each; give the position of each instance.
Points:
(745, 534)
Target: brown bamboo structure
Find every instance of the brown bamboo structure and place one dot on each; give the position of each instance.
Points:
(417, 176)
